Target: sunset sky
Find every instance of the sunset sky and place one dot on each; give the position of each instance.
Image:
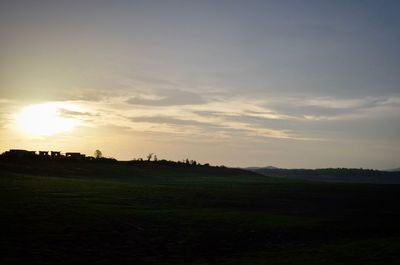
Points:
(241, 83)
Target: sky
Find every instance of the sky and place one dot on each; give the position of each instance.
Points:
(297, 84)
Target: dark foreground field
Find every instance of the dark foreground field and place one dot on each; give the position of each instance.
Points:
(132, 214)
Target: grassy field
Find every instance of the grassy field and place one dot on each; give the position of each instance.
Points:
(124, 214)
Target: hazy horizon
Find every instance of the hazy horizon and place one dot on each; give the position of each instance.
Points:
(292, 84)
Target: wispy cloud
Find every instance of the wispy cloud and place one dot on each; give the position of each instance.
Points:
(167, 98)
(74, 114)
(335, 108)
(215, 115)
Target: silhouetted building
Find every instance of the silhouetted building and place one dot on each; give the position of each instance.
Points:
(55, 153)
(75, 155)
(20, 153)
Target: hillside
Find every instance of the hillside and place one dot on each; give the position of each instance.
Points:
(119, 170)
(345, 175)
(72, 213)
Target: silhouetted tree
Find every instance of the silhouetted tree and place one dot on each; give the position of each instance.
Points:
(98, 154)
(149, 156)
(155, 158)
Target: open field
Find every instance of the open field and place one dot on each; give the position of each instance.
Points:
(142, 214)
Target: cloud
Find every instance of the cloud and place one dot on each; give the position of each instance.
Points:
(203, 122)
(334, 108)
(228, 116)
(225, 117)
(8, 109)
(169, 97)
(74, 114)
(169, 120)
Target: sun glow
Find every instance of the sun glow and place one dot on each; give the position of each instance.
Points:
(45, 119)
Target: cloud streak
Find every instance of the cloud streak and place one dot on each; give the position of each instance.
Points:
(167, 98)
(279, 118)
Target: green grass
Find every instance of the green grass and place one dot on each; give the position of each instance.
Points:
(113, 214)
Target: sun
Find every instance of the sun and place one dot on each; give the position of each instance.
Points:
(44, 119)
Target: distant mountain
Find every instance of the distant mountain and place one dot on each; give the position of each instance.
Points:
(259, 168)
(349, 175)
(394, 170)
